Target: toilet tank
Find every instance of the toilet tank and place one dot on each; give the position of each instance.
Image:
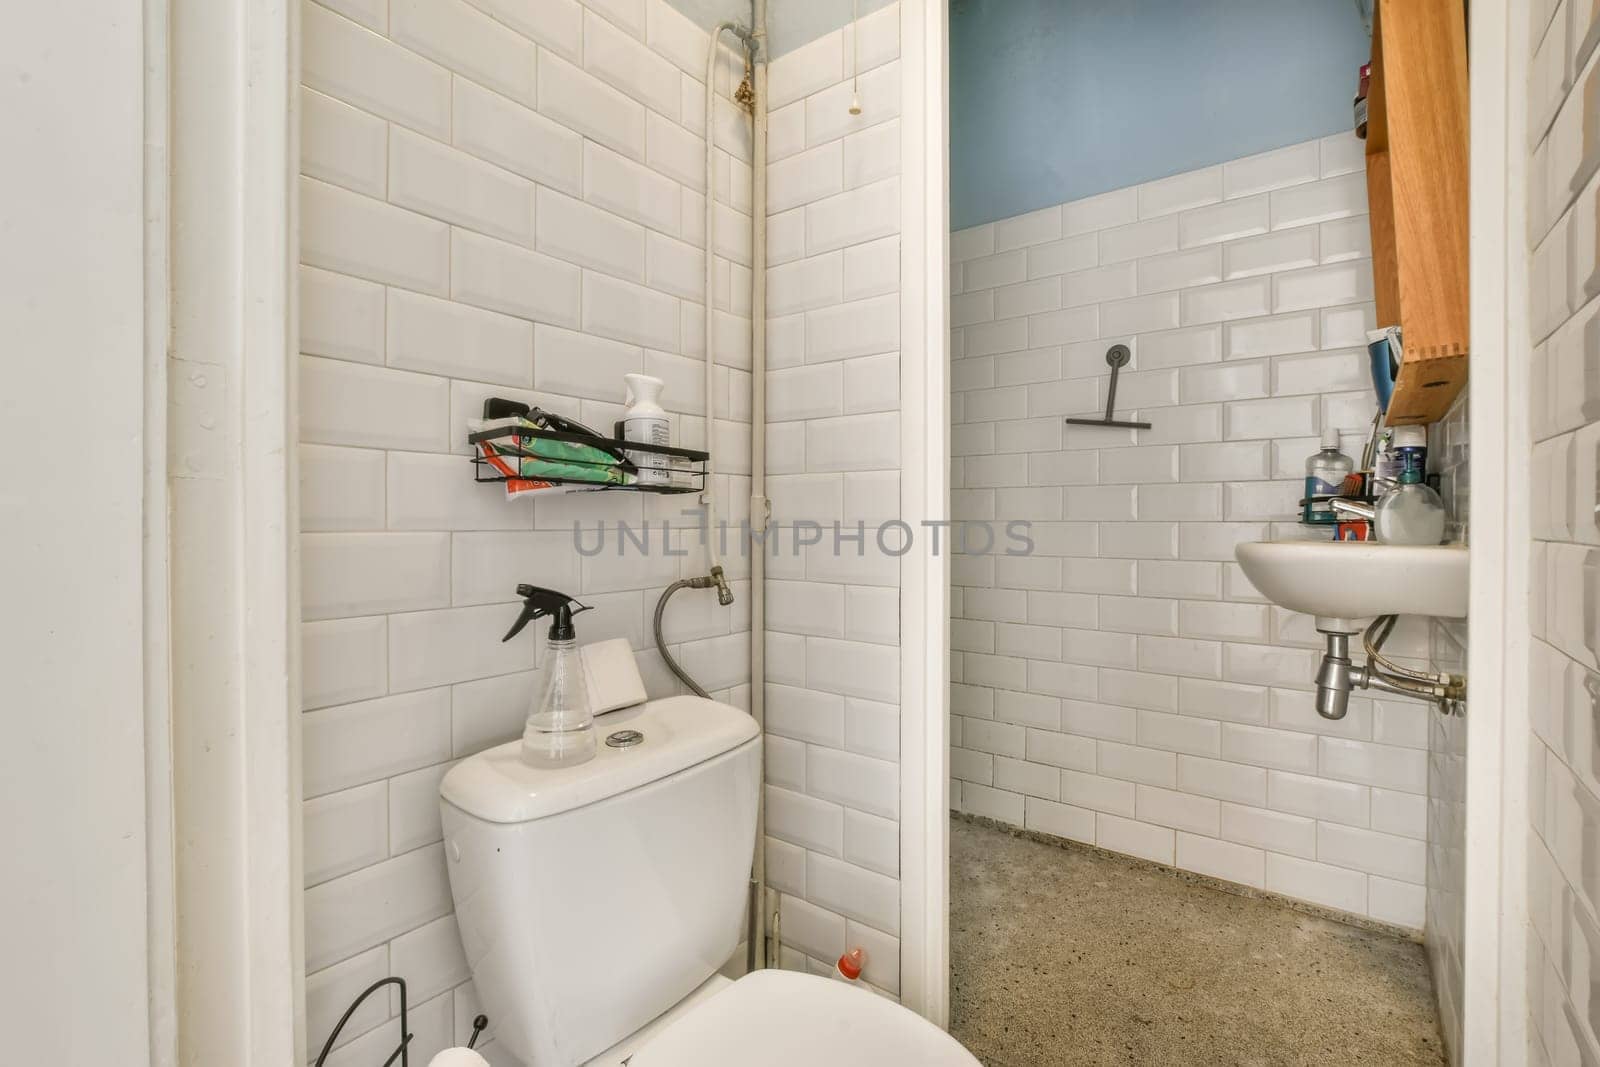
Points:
(593, 898)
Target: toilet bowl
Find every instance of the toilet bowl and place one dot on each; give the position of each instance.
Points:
(597, 904)
(784, 1019)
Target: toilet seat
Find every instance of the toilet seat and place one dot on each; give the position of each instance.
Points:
(783, 1019)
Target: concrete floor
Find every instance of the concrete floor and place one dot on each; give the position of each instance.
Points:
(1069, 956)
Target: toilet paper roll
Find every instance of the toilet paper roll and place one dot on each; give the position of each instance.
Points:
(458, 1057)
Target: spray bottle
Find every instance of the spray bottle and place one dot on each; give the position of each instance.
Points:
(560, 727)
(645, 420)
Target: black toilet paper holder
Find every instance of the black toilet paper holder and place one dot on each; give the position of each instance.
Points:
(403, 1052)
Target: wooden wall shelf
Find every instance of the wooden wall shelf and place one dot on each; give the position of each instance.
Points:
(1417, 171)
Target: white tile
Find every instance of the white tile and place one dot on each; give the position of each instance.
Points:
(1342, 153)
(1272, 336)
(1396, 902)
(353, 234)
(858, 215)
(1181, 811)
(1319, 883)
(675, 36)
(1278, 417)
(413, 802)
(1221, 859)
(1228, 300)
(1099, 284)
(351, 574)
(828, 112)
(343, 660)
(1318, 798)
(1140, 314)
(342, 144)
(352, 64)
(430, 957)
(1179, 733)
(460, 37)
(1346, 239)
(623, 61)
(488, 565)
(853, 668)
(1138, 240)
(872, 154)
(432, 648)
(972, 243)
(1100, 212)
(367, 907)
(1270, 830)
(635, 192)
(1331, 198)
(1340, 283)
(1180, 270)
(517, 281)
(855, 781)
(439, 337)
(631, 313)
(340, 488)
(1097, 793)
(1382, 854)
(333, 989)
(556, 24)
(1059, 820)
(854, 892)
(1059, 257)
(373, 407)
(341, 316)
(807, 176)
(1283, 250)
(1033, 228)
(806, 70)
(373, 14)
(585, 235)
(344, 831)
(860, 328)
(1180, 192)
(1225, 222)
(354, 744)
(1265, 747)
(1028, 298)
(582, 102)
(1405, 769)
(521, 140)
(873, 843)
(1154, 843)
(1270, 170)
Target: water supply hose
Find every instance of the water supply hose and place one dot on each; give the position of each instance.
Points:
(704, 581)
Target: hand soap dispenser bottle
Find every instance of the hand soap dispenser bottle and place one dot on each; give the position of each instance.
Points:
(1411, 513)
(560, 728)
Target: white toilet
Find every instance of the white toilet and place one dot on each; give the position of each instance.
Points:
(597, 903)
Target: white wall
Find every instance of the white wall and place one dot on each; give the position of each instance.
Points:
(72, 762)
(508, 205)
(1564, 774)
(833, 447)
(1125, 685)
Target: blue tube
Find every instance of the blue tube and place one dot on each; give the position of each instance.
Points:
(1382, 371)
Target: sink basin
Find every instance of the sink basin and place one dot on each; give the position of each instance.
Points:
(1341, 581)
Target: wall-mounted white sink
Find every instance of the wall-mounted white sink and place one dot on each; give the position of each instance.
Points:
(1341, 581)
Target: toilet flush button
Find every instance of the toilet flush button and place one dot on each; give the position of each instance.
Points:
(624, 739)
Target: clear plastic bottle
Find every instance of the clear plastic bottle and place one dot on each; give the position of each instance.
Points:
(1325, 475)
(1411, 513)
(560, 727)
(560, 732)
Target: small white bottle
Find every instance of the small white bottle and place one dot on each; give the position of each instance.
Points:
(1411, 513)
(646, 422)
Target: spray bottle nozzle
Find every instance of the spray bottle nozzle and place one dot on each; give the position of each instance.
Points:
(538, 602)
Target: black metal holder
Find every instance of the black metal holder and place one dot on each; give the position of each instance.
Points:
(1117, 357)
(403, 1052)
(500, 461)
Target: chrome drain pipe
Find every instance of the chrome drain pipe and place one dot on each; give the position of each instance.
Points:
(1337, 676)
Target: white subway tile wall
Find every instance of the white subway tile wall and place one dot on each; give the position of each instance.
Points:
(1564, 698)
(499, 203)
(1125, 685)
(833, 446)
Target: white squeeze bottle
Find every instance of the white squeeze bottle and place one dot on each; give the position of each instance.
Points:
(645, 421)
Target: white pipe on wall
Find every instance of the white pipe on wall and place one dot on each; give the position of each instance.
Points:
(759, 506)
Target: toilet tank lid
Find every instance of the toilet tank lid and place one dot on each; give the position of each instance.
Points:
(782, 1019)
(497, 786)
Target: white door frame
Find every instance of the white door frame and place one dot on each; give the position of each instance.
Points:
(1494, 998)
(925, 498)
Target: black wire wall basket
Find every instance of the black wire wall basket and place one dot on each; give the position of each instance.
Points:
(529, 454)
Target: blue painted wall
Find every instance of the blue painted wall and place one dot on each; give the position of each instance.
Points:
(1052, 100)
